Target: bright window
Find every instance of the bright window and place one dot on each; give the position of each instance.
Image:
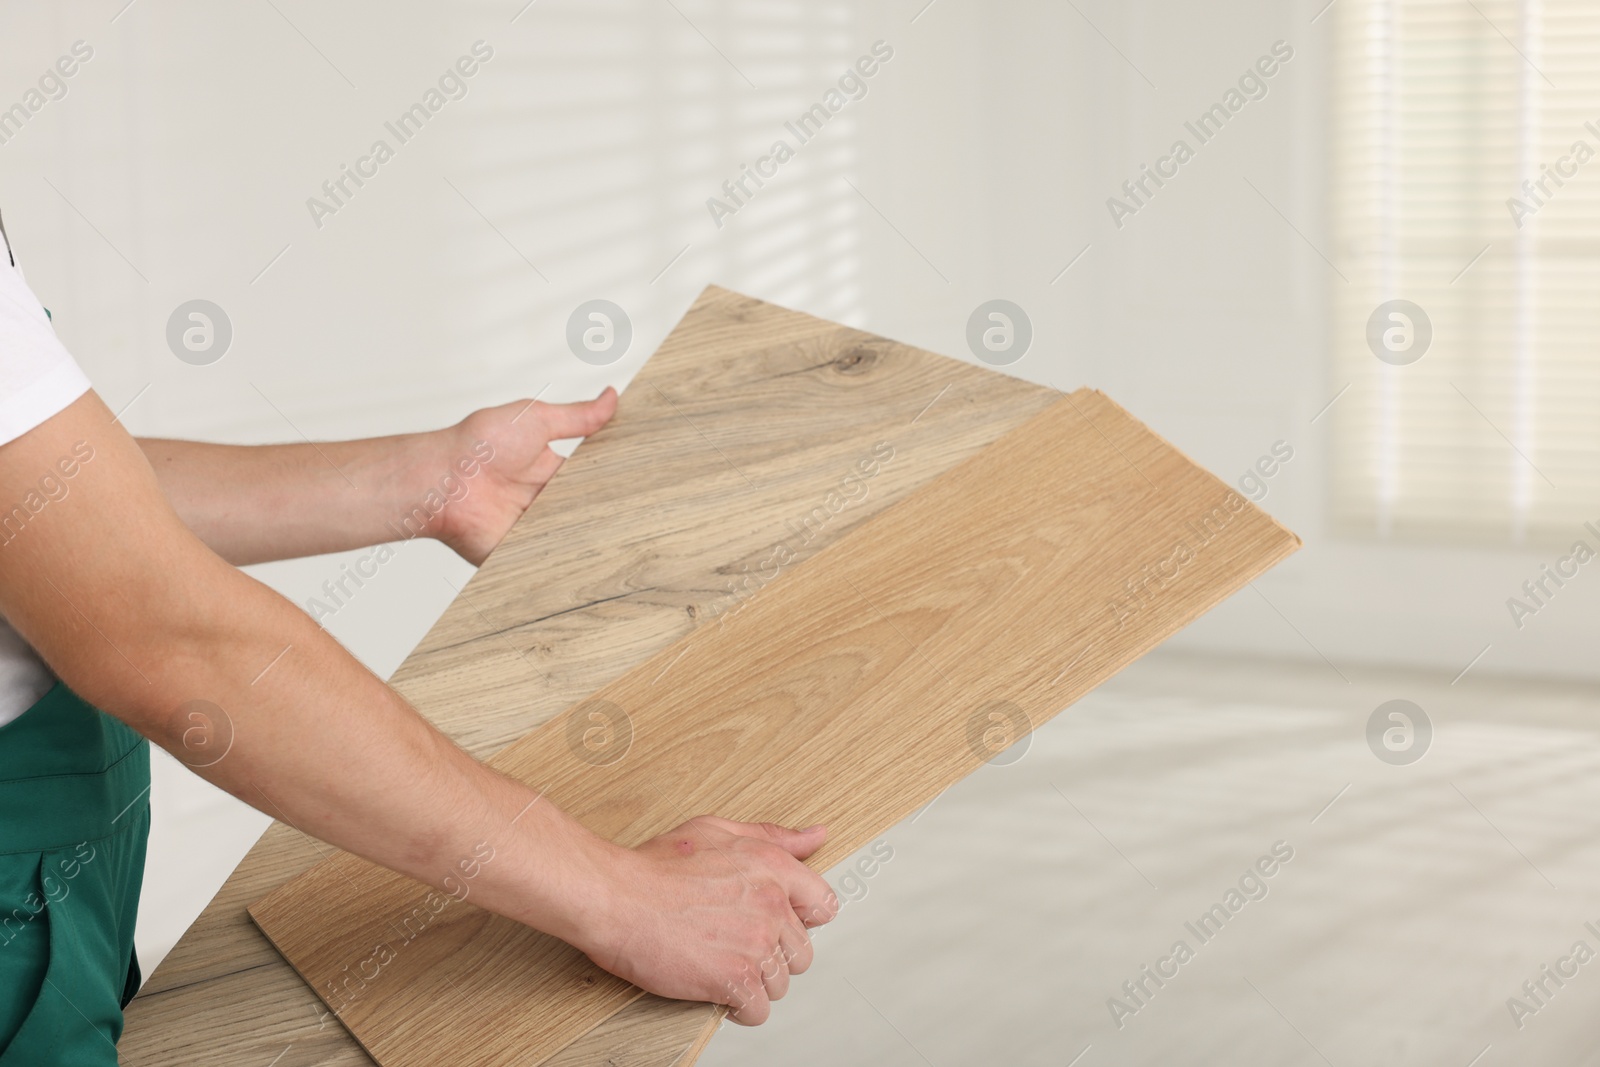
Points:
(1442, 109)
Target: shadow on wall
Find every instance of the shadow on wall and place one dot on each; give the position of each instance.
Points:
(610, 160)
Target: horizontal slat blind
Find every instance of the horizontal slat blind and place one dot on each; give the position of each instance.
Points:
(1441, 109)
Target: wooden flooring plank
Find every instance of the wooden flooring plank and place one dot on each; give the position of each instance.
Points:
(850, 692)
(572, 599)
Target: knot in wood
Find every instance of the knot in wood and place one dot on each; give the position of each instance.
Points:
(858, 360)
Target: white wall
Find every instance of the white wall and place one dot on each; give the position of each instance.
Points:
(1208, 314)
(989, 145)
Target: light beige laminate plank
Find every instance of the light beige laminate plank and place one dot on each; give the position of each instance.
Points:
(852, 692)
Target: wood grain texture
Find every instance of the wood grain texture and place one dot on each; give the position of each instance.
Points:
(634, 544)
(850, 692)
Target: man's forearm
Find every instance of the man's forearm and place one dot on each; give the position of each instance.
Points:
(130, 609)
(379, 780)
(465, 484)
(256, 698)
(256, 503)
(133, 611)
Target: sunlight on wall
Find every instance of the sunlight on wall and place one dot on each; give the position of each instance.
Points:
(585, 173)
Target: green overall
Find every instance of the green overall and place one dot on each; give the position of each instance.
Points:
(74, 818)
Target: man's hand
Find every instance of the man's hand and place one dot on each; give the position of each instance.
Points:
(465, 485)
(520, 434)
(715, 910)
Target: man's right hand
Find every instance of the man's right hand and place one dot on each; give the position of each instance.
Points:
(715, 910)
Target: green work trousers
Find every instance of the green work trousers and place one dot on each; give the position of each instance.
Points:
(74, 819)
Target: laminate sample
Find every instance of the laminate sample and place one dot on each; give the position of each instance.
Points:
(745, 418)
(850, 690)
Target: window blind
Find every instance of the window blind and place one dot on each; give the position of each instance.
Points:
(1441, 110)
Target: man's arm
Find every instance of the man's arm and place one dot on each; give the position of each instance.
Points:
(464, 485)
(138, 616)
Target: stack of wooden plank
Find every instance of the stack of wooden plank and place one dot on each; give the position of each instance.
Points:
(845, 680)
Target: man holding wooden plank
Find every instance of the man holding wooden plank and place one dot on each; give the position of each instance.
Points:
(129, 620)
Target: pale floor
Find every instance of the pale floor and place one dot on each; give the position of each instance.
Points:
(1413, 907)
(1020, 901)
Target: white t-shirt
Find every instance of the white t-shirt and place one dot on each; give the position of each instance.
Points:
(38, 377)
